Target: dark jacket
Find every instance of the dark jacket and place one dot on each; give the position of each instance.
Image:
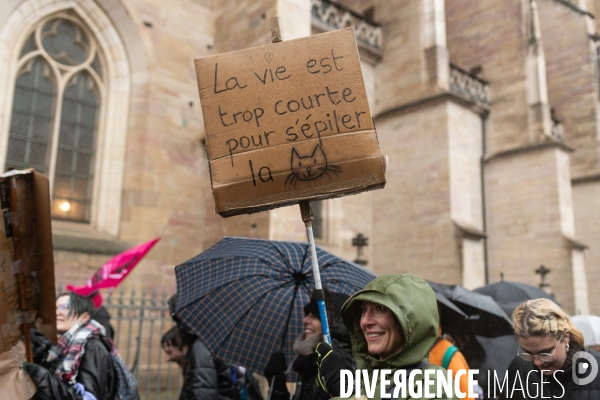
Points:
(96, 374)
(102, 316)
(306, 368)
(201, 379)
(306, 387)
(524, 374)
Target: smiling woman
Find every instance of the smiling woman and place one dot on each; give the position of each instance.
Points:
(393, 323)
(381, 330)
(70, 312)
(552, 360)
(82, 364)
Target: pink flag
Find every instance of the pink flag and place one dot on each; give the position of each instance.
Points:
(115, 270)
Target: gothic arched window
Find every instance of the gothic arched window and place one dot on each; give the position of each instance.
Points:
(58, 93)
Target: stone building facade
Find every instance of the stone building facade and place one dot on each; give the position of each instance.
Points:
(488, 112)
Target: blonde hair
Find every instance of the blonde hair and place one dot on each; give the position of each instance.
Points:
(543, 317)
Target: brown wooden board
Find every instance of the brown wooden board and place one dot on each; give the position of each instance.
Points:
(36, 262)
(288, 122)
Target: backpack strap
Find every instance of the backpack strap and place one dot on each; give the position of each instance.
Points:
(450, 351)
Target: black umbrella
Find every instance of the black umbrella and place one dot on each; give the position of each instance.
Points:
(484, 315)
(499, 352)
(244, 297)
(510, 294)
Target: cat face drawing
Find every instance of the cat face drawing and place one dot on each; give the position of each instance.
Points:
(308, 168)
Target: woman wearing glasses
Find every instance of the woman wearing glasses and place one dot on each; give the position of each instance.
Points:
(545, 367)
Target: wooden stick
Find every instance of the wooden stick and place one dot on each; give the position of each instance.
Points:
(20, 273)
(276, 32)
(307, 217)
(306, 212)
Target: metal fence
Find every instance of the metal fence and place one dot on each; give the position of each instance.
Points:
(139, 321)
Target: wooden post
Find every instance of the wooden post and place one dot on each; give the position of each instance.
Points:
(276, 33)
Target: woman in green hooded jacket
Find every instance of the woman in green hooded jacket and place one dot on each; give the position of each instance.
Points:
(393, 322)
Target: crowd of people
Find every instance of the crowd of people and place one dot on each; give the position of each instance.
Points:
(392, 324)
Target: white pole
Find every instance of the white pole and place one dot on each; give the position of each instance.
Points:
(307, 217)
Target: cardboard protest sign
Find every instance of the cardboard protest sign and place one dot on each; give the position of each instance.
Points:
(25, 209)
(15, 383)
(288, 122)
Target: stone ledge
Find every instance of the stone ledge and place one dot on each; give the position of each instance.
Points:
(468, 230)
(427, 101)
(83, 238)
(585, 179)
(87, 245)
(531, 148)
(576, 244)
(575, 7)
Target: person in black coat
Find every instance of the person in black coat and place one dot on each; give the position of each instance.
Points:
(305, 362)
(80, 367)
(200, 380)
(552, 360)
(204, 377)
(173, 347)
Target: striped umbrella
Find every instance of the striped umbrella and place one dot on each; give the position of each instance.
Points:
(244, 297)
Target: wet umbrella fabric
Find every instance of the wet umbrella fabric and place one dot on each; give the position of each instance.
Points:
(484, 315)
(589, 325)
(499, 353)
(450, 314)
(510, 294)
(244, 297)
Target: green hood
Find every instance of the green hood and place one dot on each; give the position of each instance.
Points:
(413, 302)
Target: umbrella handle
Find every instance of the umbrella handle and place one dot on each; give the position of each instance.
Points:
(307, 217)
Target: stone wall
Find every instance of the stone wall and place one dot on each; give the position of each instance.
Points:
(417, 197)
(524, 195)
(166, 171)
(404, 75)
(571, 69)
(490, 35)
(586, 202)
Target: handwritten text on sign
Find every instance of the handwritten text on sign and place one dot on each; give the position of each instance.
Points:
(287, 122)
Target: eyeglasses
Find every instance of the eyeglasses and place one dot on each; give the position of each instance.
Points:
(62, 307)
(544, 357)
